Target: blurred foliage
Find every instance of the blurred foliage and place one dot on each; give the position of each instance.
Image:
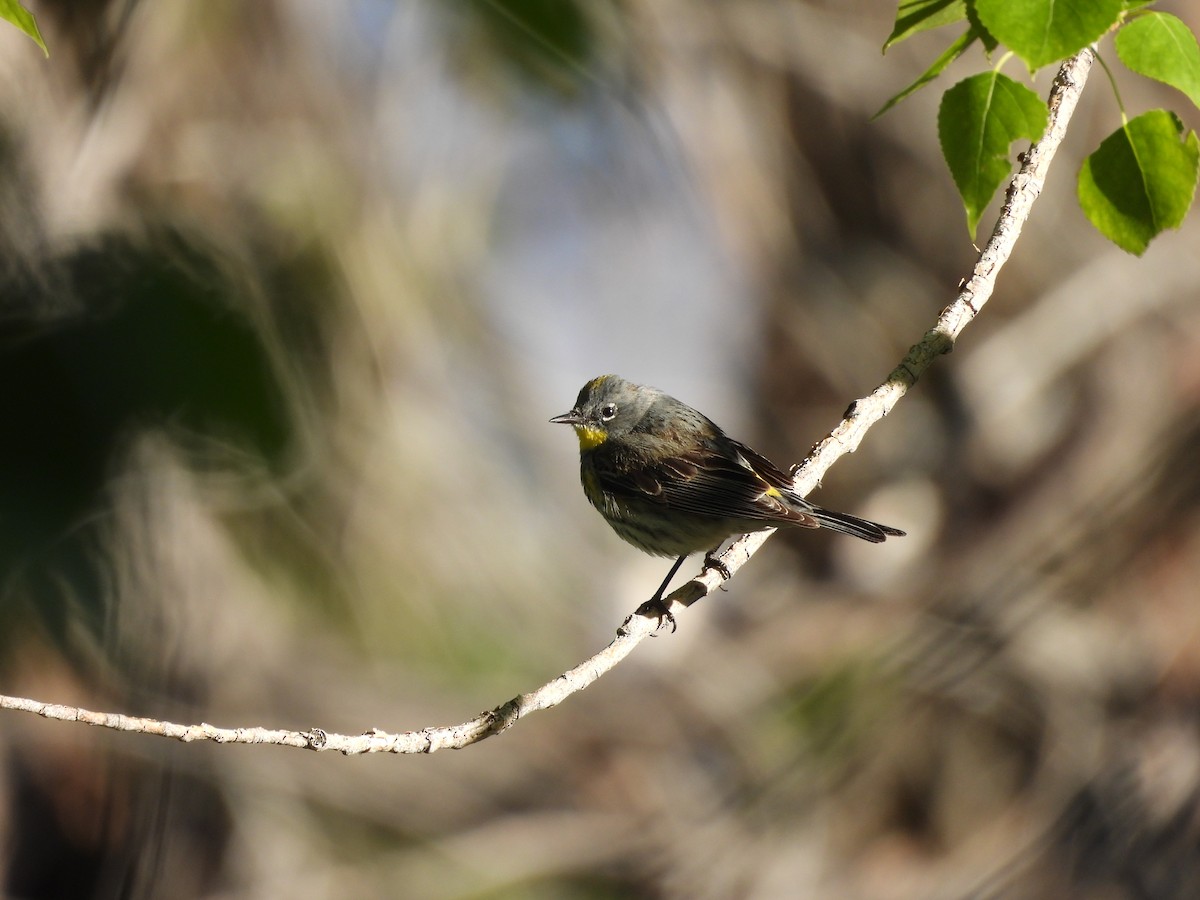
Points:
(548, 43)
(833, 714)
(152, 338)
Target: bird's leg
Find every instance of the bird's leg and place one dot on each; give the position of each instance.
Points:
(655, 606)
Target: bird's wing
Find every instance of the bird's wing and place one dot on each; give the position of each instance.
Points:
(836, 521)
(724, 479)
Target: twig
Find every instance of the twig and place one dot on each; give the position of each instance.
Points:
(1023, 190)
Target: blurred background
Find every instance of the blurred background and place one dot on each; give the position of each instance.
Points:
(290, 290)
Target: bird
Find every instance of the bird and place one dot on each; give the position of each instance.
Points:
(670, 482)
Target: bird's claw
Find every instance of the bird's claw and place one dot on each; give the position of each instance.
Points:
(657, 608)
(711, 562)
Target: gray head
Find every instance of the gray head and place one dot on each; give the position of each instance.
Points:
(608, 406)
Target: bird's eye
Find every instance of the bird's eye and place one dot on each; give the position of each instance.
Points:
(607, 412)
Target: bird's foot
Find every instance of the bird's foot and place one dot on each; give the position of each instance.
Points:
(711, 562)
(657, 608)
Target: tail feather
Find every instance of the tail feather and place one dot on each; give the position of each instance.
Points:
(853, 525)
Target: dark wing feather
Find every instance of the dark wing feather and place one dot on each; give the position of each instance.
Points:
(767, 470)
(720, 479)
(726, 479)
(835, 521)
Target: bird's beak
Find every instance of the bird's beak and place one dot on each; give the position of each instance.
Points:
(569, 418)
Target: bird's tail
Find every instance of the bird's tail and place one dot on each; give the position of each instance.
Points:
(853, 525)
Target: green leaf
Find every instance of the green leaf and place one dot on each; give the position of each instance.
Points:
(18, 15)
(953, 52)
(989, 42)
(1161, 47)
(978, 120)
(1045, 31)
(915, 16)
(1140, 180)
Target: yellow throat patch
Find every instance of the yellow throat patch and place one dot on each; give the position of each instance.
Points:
(589, 438)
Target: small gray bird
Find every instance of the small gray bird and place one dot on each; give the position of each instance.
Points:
(672, 483)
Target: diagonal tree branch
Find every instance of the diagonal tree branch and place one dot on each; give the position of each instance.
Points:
(1023, 190)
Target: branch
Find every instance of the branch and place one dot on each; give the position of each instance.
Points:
(1023, 190)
